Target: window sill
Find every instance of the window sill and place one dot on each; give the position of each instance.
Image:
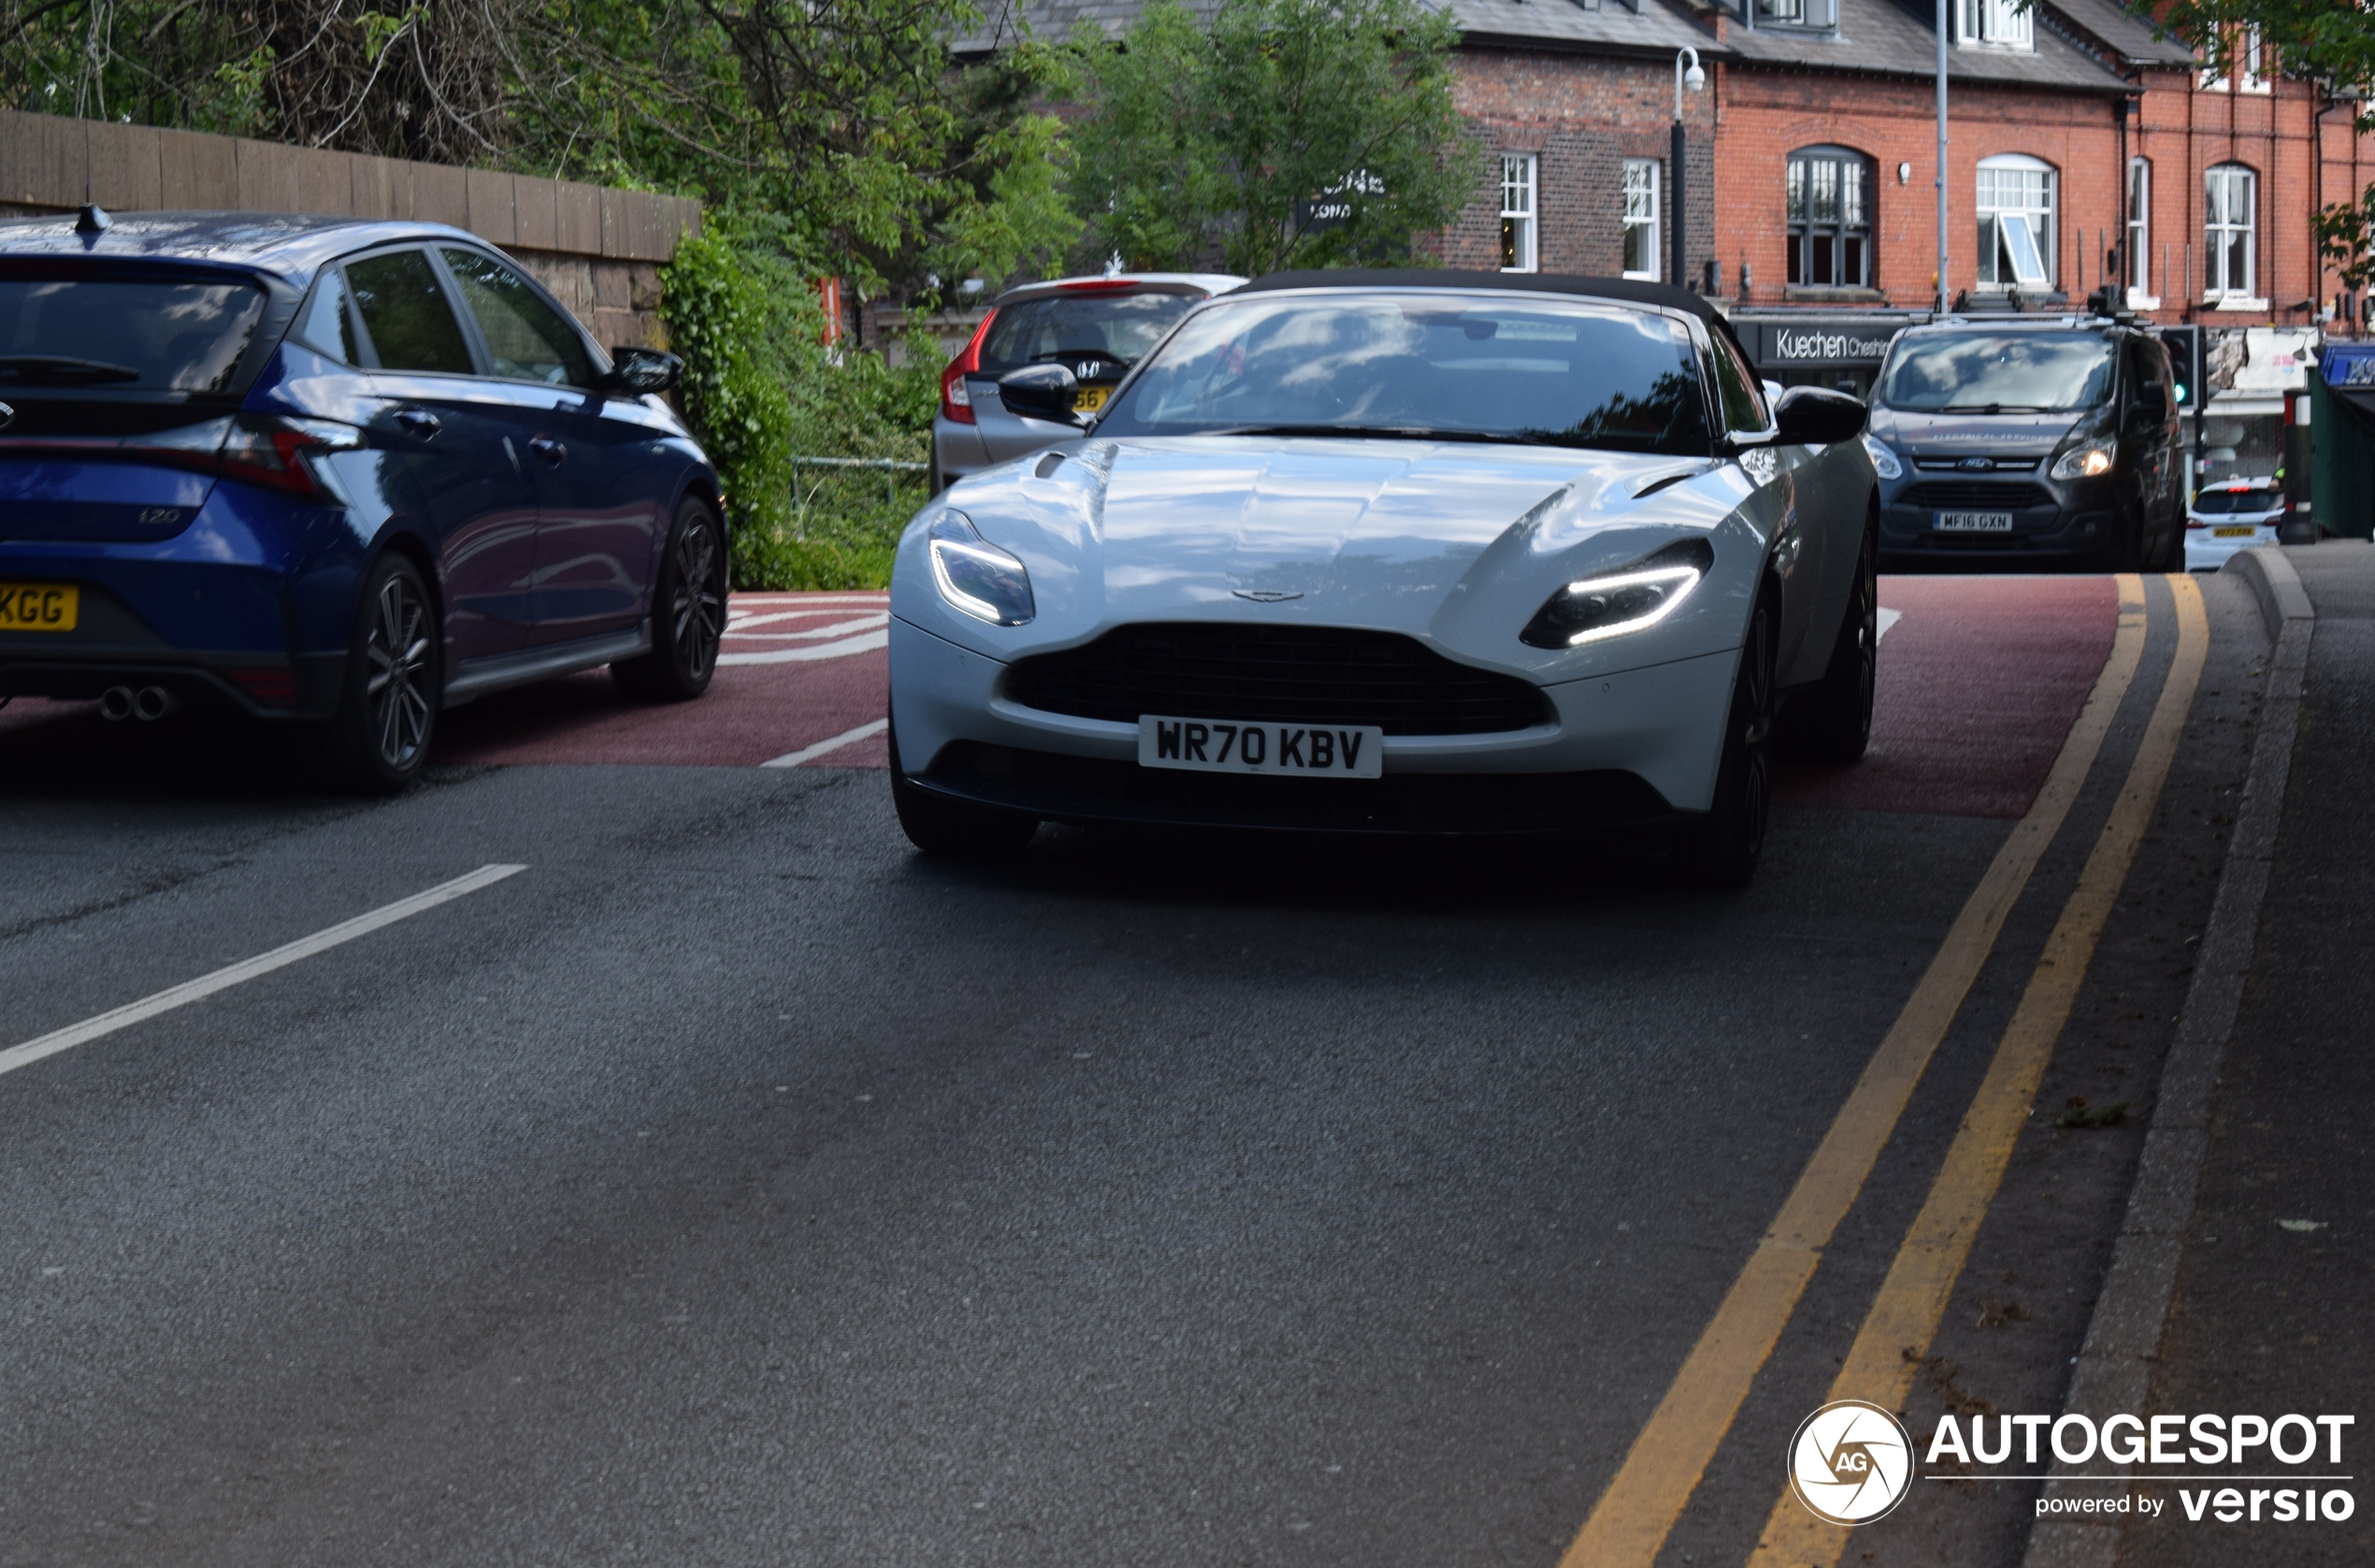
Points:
(1824, 293)
(2138, 300)
(2236, 303)
(1643, 277)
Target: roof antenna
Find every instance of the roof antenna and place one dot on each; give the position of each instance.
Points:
(93, 219)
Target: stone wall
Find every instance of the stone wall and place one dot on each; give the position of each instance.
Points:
(599, 251)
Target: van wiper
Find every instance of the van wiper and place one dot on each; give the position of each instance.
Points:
(1997, 409)
(63, 368)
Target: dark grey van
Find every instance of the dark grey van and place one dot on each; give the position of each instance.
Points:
(2050, 442)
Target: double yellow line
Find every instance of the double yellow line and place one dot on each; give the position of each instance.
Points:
(1634, 1518)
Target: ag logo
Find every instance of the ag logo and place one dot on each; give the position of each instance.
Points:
(1850, 1462)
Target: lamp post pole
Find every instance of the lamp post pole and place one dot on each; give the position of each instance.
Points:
(1941, 176)
(1696, 80)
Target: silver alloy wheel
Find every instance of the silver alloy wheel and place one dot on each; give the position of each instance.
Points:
(397, 688)
(696, 610)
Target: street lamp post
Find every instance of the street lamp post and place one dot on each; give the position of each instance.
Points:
(1696, 80)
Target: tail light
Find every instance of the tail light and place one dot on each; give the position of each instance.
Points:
(273, 450)
(955, 402)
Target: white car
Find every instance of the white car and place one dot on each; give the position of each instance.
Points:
(2231, 514)
(1409, 552)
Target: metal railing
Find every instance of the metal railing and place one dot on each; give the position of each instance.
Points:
(892, 467)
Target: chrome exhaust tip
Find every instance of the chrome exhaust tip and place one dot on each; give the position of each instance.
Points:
(116, 704)
(154, 703)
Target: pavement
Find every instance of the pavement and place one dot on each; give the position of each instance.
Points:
(730, 1184)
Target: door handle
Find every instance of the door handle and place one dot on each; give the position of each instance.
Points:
(552, 452)
(417, 421)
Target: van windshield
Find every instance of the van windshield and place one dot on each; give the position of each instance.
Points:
(1997, 373)
(123, 332)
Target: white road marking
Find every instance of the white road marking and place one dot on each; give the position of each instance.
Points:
(1888, 618)
(846, 646)
(223, 979)
(847, 738)
(839, 628)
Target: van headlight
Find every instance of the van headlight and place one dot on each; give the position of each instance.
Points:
(1632, 598)
(1885, 462)
(2087, 460)
(975, 576)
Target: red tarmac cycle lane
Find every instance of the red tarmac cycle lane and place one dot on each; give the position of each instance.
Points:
(1981, 678)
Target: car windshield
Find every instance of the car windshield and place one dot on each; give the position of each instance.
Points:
(1433, 365)
(2225, 503)
(1997, 373)
(123, 332)
(1115, 328)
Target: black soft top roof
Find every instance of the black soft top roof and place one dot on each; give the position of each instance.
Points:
(1632, 291)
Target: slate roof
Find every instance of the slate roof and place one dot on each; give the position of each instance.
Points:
(1883, 37)
(2130, 38)
(1554, 25)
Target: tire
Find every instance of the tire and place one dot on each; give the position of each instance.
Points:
(2168, 554)
(956, 828)
(378, 740)
(688, 613)
(1721, 848)
(1832, 723)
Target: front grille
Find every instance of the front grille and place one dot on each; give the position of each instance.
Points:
(1277, 675)
(1973, 495)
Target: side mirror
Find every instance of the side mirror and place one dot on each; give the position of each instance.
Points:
(1818, 416)
(636, 371)
(2152, 405)
(1041, 392)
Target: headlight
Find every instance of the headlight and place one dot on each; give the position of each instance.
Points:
(1885, 462)
(1614, 603)
(2087, 460)
(976, 576)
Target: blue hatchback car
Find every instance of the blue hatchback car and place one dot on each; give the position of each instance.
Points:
(332, 471)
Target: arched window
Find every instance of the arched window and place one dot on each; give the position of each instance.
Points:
(2230, 206)
(1829, 199)
(2016, 202)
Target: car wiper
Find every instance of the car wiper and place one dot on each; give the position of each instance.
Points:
(1997, 409)
(1372, 432)
(63, 367)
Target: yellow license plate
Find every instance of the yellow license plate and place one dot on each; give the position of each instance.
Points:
(1089, 399)
(38, 606)
(2233, 533)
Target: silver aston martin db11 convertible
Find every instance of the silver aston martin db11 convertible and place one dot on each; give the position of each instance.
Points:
(1397, 552)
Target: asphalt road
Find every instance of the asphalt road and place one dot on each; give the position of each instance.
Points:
(732, 1185)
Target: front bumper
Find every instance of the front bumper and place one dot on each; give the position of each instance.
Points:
(1623, 748)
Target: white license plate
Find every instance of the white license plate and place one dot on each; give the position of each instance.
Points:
(1975, 522)
(2243, 532)
(1301, 750)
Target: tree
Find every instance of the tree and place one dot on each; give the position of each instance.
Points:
(1291, 132)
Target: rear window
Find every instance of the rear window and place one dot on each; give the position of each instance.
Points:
(150, 334)
(1118, 327)
(2226, 503)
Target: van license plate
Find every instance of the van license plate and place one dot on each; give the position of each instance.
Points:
(1974, 522)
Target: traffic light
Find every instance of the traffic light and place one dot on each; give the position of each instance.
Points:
(2184, 344)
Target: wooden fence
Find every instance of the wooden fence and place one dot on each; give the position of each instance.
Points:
(598, 249)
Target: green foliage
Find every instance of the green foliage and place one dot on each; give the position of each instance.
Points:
(1227, 143)
(761, 387)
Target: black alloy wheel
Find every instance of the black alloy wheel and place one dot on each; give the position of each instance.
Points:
(1832, 723)
(688, 613)
(387, 711)
(1720, 849)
